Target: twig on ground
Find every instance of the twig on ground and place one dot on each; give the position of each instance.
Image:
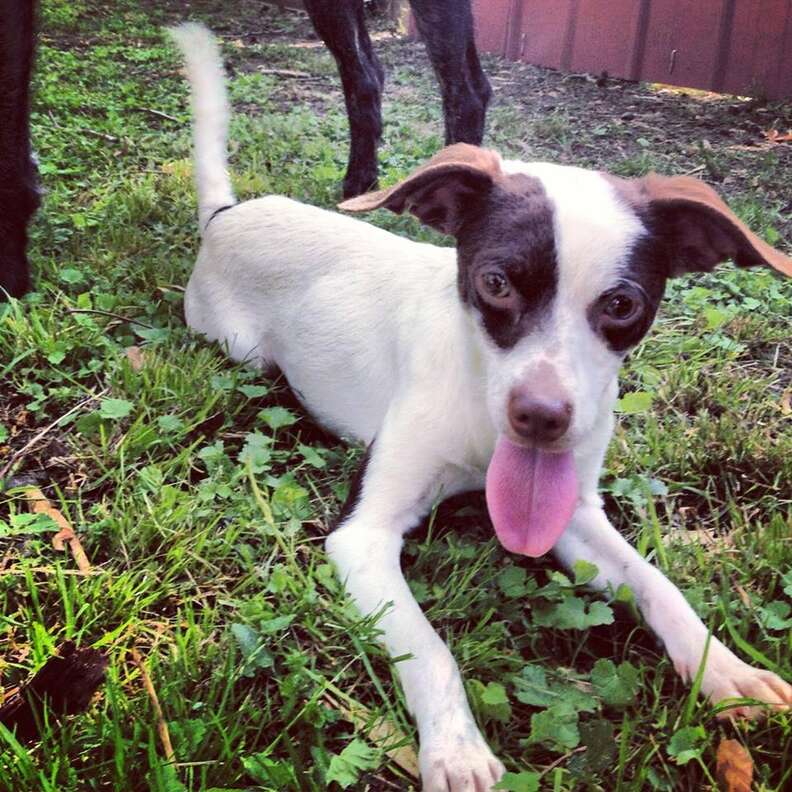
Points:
(162, 726)
(288, 73)
(556, 762)
(17, 455)
(41, 505)
(97, 133)
(45, 570)
(157, 113)
(86, 130)
(111, 314)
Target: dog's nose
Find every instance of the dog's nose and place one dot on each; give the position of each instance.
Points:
(540, 420)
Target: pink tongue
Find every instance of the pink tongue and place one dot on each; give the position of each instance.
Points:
(531, 495)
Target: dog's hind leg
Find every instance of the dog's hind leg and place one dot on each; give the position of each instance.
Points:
(446, 27)
(341, 25)
(395, 489)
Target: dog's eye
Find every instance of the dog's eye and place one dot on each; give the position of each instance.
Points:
(622, 307)
(495, 284)
(622, 315)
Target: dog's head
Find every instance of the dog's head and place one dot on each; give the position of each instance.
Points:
(563, 269)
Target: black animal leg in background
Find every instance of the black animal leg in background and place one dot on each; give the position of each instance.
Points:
(341, 25)
(446, 27)
(19, 196)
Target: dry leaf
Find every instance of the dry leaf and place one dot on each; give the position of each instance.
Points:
(774, 136)
(743, 594)
(734, 767)
(786, 402)
(383, 733)
(695, 536)
(66, 534)
(162, 724)
(135, 357)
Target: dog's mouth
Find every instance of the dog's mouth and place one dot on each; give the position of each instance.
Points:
(560, 446)
(531, 496)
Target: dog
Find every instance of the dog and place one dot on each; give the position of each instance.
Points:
(493, 365)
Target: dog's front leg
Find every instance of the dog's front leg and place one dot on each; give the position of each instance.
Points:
(396, 489)
(591, 537)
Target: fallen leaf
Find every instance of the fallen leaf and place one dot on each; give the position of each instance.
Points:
(774, 136)
(135, 357)
(695, 536)
(40, 505)
(786, 402)
(383, 733)
(162, 724)
(743, 594)
(734, 767)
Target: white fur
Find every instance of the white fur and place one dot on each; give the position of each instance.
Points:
(594, 233)
(371, 334)
(205, 67)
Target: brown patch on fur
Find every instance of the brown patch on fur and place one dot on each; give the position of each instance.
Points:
(436, 193)
(703, 231)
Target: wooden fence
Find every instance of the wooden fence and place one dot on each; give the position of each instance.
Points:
(733, 46)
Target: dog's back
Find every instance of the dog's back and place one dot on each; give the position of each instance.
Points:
(314, 292)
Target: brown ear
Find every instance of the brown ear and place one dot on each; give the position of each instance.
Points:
(439, 191)
(703, 231)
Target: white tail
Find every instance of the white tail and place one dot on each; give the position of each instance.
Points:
(210, 117)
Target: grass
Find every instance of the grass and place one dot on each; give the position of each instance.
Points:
(202, 493)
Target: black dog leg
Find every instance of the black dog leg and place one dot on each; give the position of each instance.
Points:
(341, 25)
(19, 196)
(446, 26)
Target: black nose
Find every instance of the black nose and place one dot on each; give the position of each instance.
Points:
(540, 420)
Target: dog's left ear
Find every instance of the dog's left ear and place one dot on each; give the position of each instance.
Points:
(440, 192)
(701, 230)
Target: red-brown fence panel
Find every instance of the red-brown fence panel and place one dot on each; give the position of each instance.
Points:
(736, 46)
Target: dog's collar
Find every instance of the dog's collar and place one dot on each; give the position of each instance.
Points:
(217, 212)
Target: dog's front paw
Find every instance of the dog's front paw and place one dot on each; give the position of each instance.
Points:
(748, 682)
(458, 764)
(728, 677)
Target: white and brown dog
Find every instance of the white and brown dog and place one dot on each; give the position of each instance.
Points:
(490, 366)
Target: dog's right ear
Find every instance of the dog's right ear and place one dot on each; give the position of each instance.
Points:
(439, 193)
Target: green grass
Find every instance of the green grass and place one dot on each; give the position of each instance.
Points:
(202, 493)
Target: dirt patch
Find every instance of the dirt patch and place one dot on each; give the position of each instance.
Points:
(538, 113)
(630, 127)
(38, 451)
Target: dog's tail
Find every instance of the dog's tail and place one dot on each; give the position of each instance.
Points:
(210, 117)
